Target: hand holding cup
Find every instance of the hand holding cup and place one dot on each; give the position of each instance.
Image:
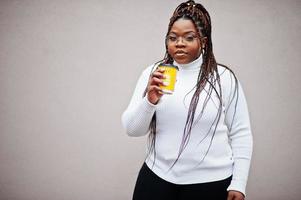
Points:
(161, 82)
(154, 91)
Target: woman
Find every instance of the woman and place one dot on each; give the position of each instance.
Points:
(200, 141)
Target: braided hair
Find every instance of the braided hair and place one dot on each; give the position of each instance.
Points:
(208, 74)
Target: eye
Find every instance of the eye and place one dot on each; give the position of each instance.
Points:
(189, 38)
(172, 38)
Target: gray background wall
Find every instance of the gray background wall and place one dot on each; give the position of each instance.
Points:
(68, 69)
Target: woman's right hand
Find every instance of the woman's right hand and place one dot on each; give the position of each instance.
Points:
(154, 92)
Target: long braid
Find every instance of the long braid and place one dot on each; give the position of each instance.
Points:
(208, 74)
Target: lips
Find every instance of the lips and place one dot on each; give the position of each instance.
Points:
(180, 53)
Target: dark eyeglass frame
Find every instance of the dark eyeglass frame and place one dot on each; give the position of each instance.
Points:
(187, 38)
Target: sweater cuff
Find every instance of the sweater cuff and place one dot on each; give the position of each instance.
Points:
(238, 185)
(148, 106)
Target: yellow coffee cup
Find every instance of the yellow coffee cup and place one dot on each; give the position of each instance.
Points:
(170, 77)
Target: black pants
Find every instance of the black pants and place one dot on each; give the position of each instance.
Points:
(151, 187)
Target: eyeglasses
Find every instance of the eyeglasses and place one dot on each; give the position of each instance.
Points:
(189, 38)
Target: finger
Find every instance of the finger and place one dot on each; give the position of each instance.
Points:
(155, 88)
(230, 196)
(235, 195)
(237, 198)
(238, 195)
(158, 74)
(156, 81)
(160, 69)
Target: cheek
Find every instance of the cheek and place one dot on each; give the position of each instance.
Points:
(197, 50)
(168, 48)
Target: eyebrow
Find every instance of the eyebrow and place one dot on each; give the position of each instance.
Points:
(184, 33)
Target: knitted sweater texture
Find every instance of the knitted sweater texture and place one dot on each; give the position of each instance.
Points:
(227, 153)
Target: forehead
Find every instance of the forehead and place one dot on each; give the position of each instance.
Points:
(182, 26)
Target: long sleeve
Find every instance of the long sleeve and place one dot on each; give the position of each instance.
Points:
(231, 150)
(137, 116)
(241, 141)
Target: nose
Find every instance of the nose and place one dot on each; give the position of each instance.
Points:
(180, 42)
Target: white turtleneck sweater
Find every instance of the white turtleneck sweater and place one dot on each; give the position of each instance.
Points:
(230, 151)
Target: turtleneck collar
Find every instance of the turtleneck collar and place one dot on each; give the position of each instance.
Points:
(196, 64)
